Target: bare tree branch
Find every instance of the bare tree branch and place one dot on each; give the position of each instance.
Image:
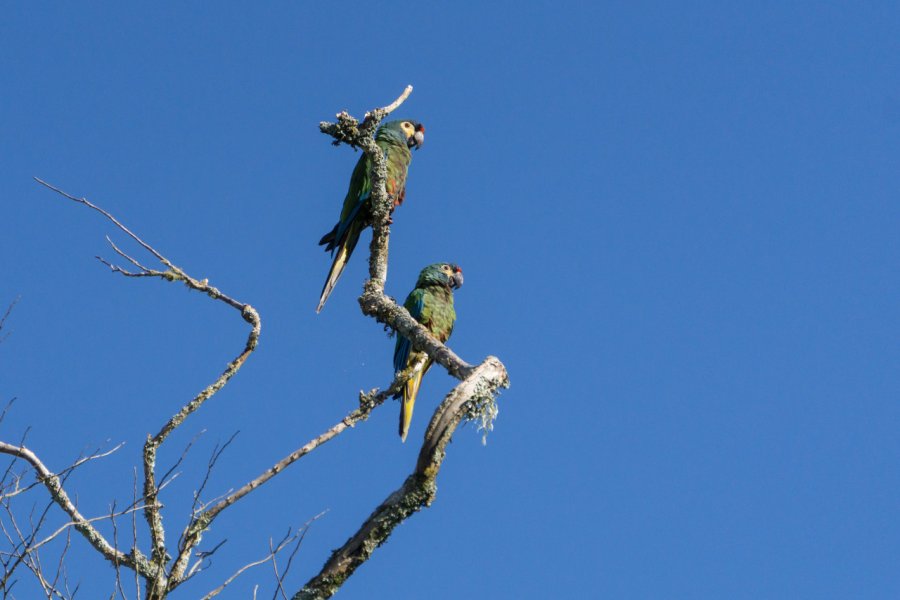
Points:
(134, 559)
(216, 454)
(273, 551)
(374, 302)
(279, 589)
(17, 490)
(472, 397)
(61, 567)
(71, 524)
(134, 531)
(112, 517)
(6, 316)
(419, 489)
(152, 513)
(187, 448)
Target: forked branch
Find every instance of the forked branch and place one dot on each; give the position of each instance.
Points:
(52, 482)
(152, 513)
(419, 489)
(473, 397)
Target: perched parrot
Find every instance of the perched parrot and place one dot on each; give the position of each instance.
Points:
(395, 139)
(431, 304)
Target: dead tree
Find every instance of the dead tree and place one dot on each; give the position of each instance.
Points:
(169, 562)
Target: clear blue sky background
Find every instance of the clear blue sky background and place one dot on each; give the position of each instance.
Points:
(678, 225)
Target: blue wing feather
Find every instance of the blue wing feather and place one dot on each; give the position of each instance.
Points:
(345, 223)
(415, 304)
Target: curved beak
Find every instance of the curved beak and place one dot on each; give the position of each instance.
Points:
(418, 137)
(457, 280)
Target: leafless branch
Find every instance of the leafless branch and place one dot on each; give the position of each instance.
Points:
(187, 448)
(419, 489)
(474, 394)
(134, 559)
(6, 316)
(280, 579)
(17, 490)
(374, 302)
(134, 531)
(273, 551)
(278, 586)
(112, 518)
(152, 513)
(476, 391)
(71, 524)
(367, 403)
(25, 552)
(61, 567)
(6, 408)
(396, 103)
(216, 453)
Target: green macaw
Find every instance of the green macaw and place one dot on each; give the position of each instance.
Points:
(431, 304)
(395, 139)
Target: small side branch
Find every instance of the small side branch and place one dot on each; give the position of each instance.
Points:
(474, 395)
(202, 521)
(376, 304)
(274, 549)
(51, 481)
(348, 130)
(152, 506)
(6, 316)
(419, 489)
(373, 302)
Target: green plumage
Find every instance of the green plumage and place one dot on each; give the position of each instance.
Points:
(431, 304)
(395, 139)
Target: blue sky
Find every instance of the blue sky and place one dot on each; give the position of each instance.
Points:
(678, 226)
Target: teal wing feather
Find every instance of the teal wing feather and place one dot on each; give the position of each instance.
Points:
(433, 308)
(357, 197)
(415, 304)
(355, 212)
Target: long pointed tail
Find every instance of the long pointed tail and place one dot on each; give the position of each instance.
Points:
(337, 266)
(410, 391)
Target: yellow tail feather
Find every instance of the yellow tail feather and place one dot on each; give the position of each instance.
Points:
(337, 267)
(410, 391)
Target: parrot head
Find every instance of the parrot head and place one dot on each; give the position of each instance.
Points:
(410, 132)
(446, 274)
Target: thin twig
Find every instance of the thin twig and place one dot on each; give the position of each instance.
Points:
(417, 491)
(368, 402)
(6, 316)
(53, 484)
(134, 532)
(217, 452)
(278, 586)
(396, 103)
(85, 201)
(61, 564)
(152, 511)
(71, 524)
(112, 518)
(477, 389)
(187, 448)
(287, 568)
(6, 408)
(268, 557)
(65, 472)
